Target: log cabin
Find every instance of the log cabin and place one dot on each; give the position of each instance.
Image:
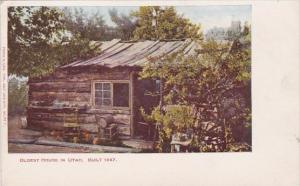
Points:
(105, 86)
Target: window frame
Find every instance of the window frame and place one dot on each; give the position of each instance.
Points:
(111, 82)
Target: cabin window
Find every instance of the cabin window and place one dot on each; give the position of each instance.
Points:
(111, 94)
(121, 95)
(103, 94)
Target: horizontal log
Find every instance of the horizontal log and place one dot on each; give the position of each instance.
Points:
(59, 96)
(41, 125)
(51, 125)
(82, 118)
(104, 120)
(117, 118)
(50, 103)
(91, 128)
(108, 111)
(87, 75)
(122, 118)
(44, 109)
(81, 110)
(61, 87)
(123, 130)
(60, 117)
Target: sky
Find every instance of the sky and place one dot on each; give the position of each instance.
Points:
(208, 16)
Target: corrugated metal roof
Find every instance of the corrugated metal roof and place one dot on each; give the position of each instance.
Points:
(116, 53)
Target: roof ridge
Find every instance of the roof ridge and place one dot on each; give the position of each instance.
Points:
(142, 40)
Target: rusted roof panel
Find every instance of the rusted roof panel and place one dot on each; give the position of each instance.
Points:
(116, 53)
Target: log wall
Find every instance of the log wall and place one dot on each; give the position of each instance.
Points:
(52, 96)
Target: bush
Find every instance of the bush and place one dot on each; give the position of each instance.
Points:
(173, 119)
(17, 95)
(235, 135)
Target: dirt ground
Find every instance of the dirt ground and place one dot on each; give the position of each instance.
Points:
(31, 148)
(16, 132)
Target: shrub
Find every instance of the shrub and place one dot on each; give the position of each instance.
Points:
(17, 95)
(173, 119)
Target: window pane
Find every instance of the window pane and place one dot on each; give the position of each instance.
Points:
(98, 101)
(106, 102)
(98, 94)
(106, 86)
(103, 94)
(121, 94)
(98, 86)
(106, 94)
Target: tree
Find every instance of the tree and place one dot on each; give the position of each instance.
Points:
(31, 32)
(125, 24)
(216, 84)
(37, 42)
(90, 27)
(154, 22)
(234, 31)
(36, 35)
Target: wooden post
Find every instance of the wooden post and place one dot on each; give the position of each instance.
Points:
(225, 134)
(161, 103)
(131, 103)
(161, 95)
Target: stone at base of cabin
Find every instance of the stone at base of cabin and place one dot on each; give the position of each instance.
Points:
(92, 128)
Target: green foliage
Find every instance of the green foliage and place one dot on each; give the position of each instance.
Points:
(31, 32)
(200, 79)
(177, 117)
(78, 49)
(125, 24)
(38, 39)
(215, 83)
(91, 27)
(174, 118)
(155, 22)
(17, 95)
(146, 117)
(39, 36)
